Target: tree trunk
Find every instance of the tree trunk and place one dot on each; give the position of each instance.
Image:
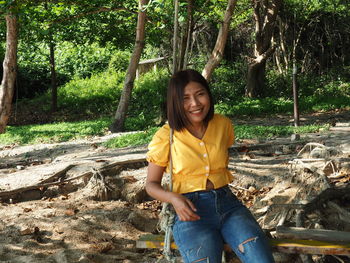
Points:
(53, 78)
(175, 38)
(186, 36)
(220, 44)
(256, 80)
(10, 69)
(265, 14)
(120, 115)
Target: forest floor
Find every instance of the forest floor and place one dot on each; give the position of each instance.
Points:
(74, 222)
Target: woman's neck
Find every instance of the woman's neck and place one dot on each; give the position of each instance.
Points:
(197, 130)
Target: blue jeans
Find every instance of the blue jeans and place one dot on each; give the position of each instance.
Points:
(224, 219)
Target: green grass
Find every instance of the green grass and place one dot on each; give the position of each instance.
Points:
(134, 139)
(64, 131)
(268, 106)
(55, 132)
(266, 132)
(92, 98)
(241, 132)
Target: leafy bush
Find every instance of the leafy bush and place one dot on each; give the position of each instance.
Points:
(279, 85)
(82, 61)
(97, 95)
(34, 76)
(266, 132)
(228, 82)
(119, 61)
(324, 103)
(147, 101)
(255, 107)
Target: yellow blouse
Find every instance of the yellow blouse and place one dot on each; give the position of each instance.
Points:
(195, 160)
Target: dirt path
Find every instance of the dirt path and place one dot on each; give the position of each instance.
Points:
(69, 224)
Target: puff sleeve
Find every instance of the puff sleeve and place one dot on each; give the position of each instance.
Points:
(158, 148)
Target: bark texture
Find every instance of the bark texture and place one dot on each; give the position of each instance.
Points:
(7, 87)
(186, 36)
(120, 115)
(220, 44)
(265, 14)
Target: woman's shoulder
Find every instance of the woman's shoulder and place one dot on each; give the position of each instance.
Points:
(164, 131)
(219, 118)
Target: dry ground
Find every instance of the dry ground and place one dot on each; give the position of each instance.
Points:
(70, 223)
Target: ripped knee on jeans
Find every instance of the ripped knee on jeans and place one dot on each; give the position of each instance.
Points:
(196, 254)
(201, 260)
(241, 247)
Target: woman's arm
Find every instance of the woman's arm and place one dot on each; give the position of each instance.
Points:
(184, 207)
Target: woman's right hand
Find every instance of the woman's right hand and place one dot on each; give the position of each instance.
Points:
(184, 208)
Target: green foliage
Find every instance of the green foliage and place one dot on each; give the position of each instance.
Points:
(33, 70)
(228, 82)
(59, 132)
(280, 85)
(324, 103)
(150, 52)
(92, 96)
(335, 83)
(131, 139)
(266, 132)
(82, 61)
(266, 106)
(241, 132)
(56, 132)
(148, 98)
(119, 61)
(71, 62)
(255, 107)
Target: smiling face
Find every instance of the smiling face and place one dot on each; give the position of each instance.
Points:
(196, 103)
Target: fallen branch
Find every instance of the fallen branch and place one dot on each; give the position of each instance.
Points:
(315, 234)
(325, 196)
(291, 246)
(60, 175)
(45, 183)
(344, 215)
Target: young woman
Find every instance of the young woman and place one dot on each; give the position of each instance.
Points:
(208, 214)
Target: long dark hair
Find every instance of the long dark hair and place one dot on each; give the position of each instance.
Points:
(175, 107)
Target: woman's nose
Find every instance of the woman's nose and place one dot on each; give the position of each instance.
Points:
(194, 101)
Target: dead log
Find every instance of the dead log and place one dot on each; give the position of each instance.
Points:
(325, 196)
(261, 146)
(344, 215)
(291, 246)
(314, 234)
(57, 178)
(45, 183)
